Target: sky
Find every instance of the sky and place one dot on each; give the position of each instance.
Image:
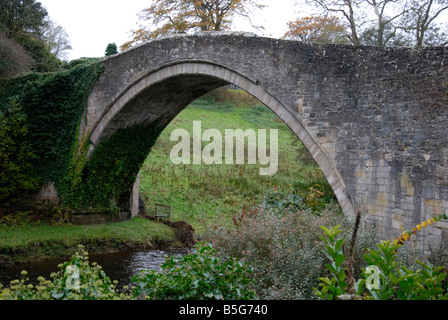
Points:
(92, 24)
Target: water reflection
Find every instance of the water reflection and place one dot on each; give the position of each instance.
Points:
(121, 266)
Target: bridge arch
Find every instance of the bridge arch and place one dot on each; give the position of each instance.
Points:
(162, 93)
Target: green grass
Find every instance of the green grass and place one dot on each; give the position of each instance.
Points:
(215, 193)
(41, 241)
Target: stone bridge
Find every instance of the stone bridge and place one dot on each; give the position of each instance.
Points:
(373, 118)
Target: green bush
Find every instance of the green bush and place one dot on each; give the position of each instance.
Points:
(17, 175)
(337, 285)
(200, 275)
(78, 62)
(76, 279)
(42, 58)
(280, 204)
(197, 276)
(384, 278)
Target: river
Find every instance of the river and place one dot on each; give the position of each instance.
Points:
(121, 266)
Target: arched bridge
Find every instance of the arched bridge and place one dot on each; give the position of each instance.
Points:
(373, 118)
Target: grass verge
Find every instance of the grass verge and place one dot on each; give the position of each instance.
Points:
(32, 242)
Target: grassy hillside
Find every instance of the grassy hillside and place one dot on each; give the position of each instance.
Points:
(217, 192)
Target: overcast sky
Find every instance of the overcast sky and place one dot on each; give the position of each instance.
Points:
(92, 24)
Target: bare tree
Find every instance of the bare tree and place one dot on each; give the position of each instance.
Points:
(347, 9)
(387, 14)
(56, 38)
(421, 20)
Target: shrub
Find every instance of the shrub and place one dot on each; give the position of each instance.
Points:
(200, 275)
(17, 175)
(338, 284)
(197, 276)
(280, 204)
(284, 249)
(385, 278)
(75, 280)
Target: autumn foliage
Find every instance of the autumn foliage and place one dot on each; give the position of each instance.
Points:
(317, 29)
(181, 16)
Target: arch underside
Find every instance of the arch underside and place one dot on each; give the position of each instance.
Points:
(159, 97)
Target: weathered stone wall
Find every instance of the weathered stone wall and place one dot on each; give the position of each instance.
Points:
(375, 119)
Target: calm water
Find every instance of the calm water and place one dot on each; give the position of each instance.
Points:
(121, 266)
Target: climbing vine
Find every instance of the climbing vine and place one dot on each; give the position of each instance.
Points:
(53, 104)
(112, 168)
(17, 175)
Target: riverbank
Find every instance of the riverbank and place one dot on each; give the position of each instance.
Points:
(34, 242)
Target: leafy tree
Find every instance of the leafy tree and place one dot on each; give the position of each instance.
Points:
(111, 49)
(43, 60)
(317, 29)
(181, 16)
(22, 15)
